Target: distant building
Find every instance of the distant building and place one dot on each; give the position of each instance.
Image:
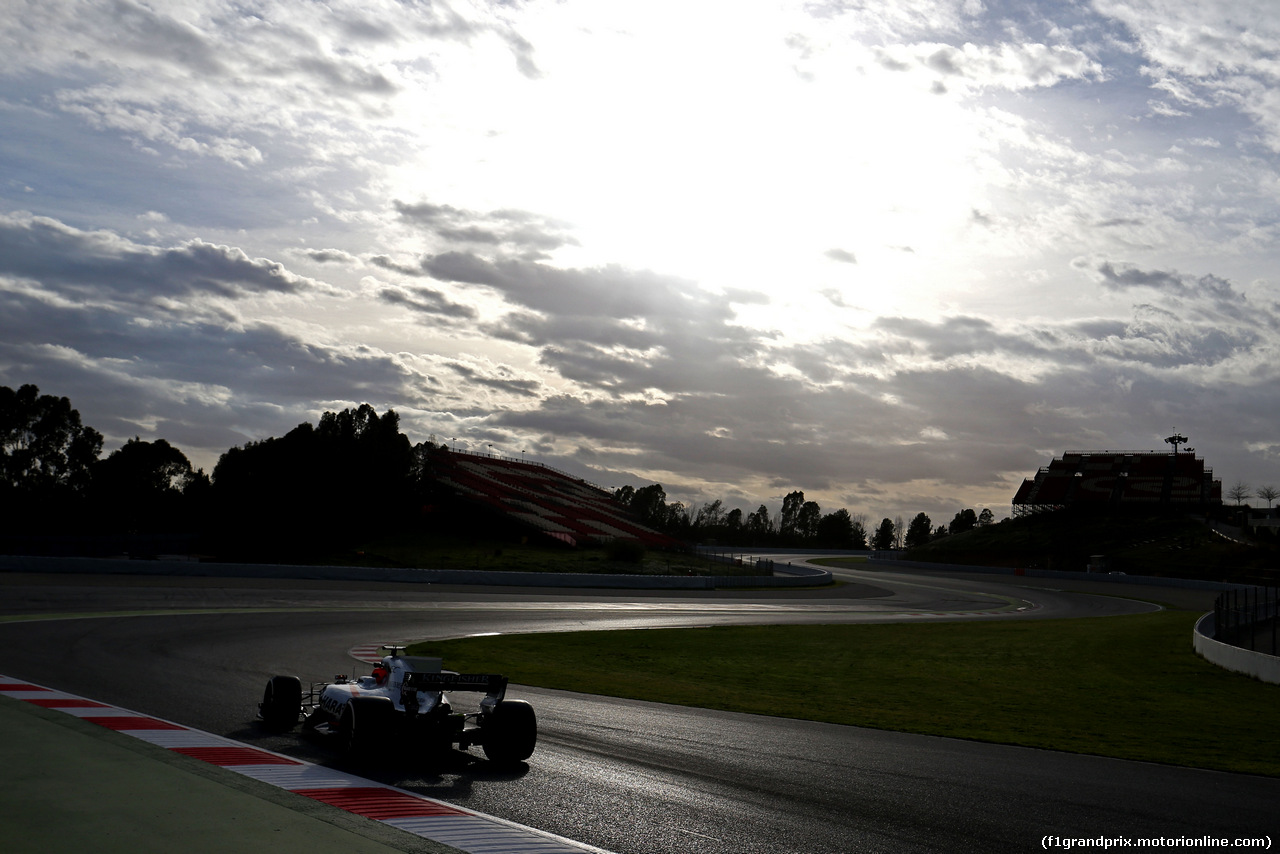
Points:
(1127, 479)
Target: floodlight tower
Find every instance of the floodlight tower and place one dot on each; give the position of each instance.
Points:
(1176, 439)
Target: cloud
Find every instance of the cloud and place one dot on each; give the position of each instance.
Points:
(102, 264)
(1208, 55)
(203, 385)
(520, 232)
(736, 259)
(608, 292)
(222, 81)
(1004, 66)
(502, 379)
(1122, 277)
(426, 301)
(330, 256)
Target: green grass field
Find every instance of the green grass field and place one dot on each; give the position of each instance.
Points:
(1128, 687)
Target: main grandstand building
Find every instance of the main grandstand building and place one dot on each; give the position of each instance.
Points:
(1121, 479)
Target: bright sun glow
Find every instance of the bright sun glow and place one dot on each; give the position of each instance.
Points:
(736, 163)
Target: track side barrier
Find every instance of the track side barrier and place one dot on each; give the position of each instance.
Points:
(1259, 665)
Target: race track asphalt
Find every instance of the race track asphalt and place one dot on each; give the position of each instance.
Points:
(723, 783)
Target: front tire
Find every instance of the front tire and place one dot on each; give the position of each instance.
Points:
(281, 703)
(365, 727)
(510, 732)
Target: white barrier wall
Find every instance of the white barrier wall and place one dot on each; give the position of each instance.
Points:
(1256, 664)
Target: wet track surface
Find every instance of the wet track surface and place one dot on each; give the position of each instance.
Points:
(622, 775)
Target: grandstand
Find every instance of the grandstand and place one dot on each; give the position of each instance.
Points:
(1119, 479)
(541, 500)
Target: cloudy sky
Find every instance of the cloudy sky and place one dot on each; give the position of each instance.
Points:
(894, 253)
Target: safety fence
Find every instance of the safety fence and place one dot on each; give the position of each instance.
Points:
(1246, 617)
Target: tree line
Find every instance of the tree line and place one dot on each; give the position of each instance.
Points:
(351, 476)
(800, 524)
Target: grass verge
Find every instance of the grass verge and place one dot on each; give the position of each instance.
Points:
(1126, 687)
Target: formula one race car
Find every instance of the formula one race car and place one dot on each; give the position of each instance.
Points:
(404, 703)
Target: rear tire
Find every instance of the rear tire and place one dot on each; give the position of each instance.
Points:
(365, 727)
(510, 732)
(281, 703)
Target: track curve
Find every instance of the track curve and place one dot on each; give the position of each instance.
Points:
(623, 775)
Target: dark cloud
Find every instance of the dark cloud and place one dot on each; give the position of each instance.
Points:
(427, 301)
(525, 234)
(954, 336)
(607, 292)
(330, 256)
(342, 77)
(366, 30)
(66, 259)
(386, 262)
(890, 62)
(201, 385)
(908, 413)
(145, 32)
(504, 382)
(945, 60)
(1124, 276)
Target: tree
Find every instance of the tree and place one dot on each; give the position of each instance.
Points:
(884, 537)
(807, 520)
(965, 520)
(138, 467)
(986, 517)
(836, 531)
(624, 494)
(710, 515)
(1239, 492)
(144, 486)
(859, 530)
(790, 513)
(44, 449)
(678, 521)
(1268, 494)
(759, 524)
(318, 486)
(649, 503)
(733, 520)
(859, 533)
(920, 531)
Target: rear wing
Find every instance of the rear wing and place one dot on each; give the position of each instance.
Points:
(491, 684)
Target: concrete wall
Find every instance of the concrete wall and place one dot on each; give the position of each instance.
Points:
(1256, 664)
